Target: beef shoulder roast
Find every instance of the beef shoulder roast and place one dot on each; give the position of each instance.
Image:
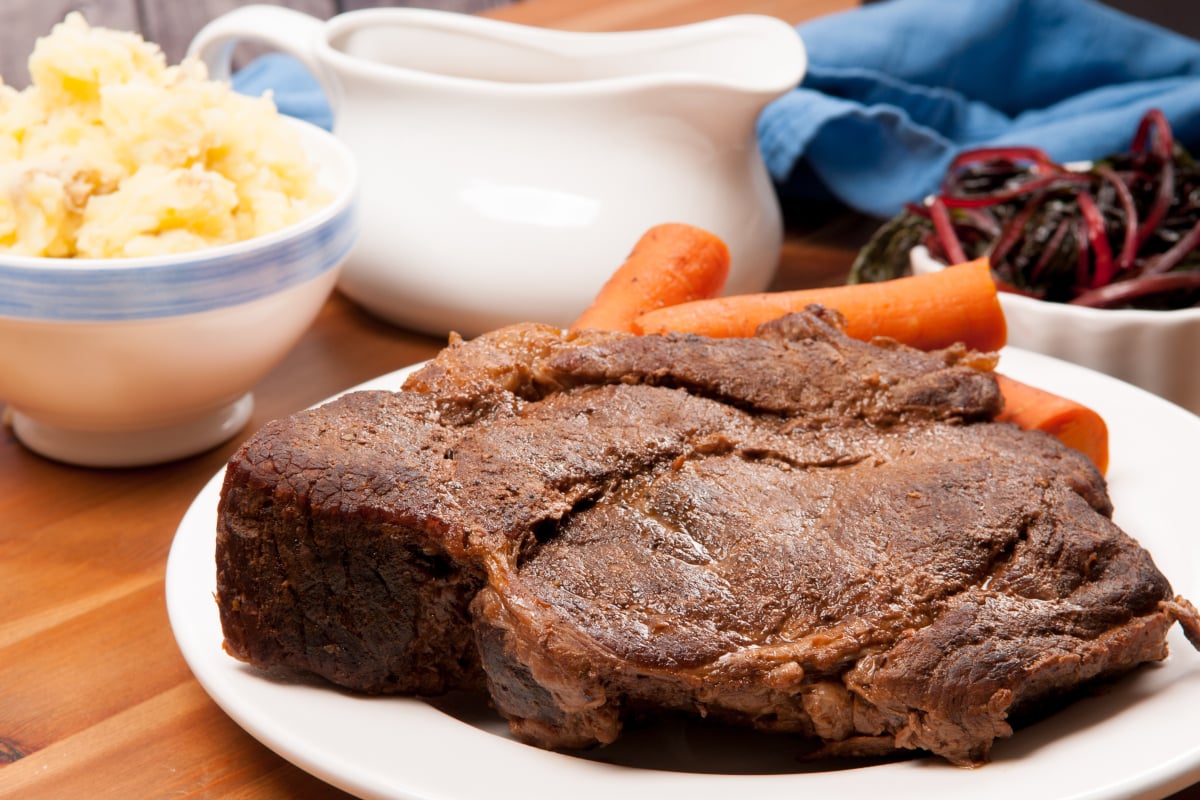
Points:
(795, 532)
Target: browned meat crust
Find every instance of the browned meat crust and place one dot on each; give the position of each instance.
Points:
(796, 532)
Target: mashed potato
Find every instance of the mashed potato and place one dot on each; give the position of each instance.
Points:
(112, 153)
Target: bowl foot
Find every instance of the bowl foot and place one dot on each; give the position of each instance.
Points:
(136, 448)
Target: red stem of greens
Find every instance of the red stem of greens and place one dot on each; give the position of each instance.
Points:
(1031, 179)
(983, 220)
(1082, 263)
(1162, 147)
(1013, 230)
(1162, 201)
(1103, 270)
(1041, 161)
(945, 231)
(1128, 255)
(1049, 250)
(1170, 259)
(1042, 182)
(1135, 288)
(1154, 122)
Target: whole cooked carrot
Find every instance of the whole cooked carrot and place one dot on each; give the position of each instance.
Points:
(1072, 423)
(927, 311)
(671, 263)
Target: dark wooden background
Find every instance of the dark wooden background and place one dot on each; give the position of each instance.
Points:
(170, 23)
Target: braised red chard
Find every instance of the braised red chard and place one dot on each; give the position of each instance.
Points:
(1123, 232)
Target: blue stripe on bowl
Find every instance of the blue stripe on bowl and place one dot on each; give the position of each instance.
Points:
(92, 293)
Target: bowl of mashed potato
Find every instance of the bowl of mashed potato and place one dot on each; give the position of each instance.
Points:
(164, 242)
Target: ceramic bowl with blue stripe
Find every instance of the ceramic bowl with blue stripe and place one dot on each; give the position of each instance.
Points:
(123, 362)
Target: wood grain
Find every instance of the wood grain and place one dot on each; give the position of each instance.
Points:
(95, 699)
(604, 15)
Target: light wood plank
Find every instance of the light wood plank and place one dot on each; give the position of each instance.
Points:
(119, 756)
(51, 610)
(464, 6)
(71, 677)
(603, 15)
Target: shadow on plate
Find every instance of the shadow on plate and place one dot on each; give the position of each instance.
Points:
(683, 743)
(678, 743)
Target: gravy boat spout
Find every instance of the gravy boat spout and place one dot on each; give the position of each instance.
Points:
(508, 170)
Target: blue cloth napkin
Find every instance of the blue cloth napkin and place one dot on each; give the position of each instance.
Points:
(894, 90)
(295, 90)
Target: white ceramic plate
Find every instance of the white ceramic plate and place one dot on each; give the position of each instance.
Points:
(1138, 739)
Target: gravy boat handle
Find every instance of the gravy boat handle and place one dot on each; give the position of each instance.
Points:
(292, 32)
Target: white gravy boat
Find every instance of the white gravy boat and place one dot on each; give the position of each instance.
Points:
(508, 170)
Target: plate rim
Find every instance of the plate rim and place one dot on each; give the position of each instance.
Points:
(225, 680)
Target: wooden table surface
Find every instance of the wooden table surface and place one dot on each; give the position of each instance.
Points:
(95, 698)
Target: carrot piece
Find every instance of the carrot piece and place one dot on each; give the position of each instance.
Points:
(927, 311)
(1072, 423)
(671, 263)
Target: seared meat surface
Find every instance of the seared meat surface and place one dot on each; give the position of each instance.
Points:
(795, 532)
